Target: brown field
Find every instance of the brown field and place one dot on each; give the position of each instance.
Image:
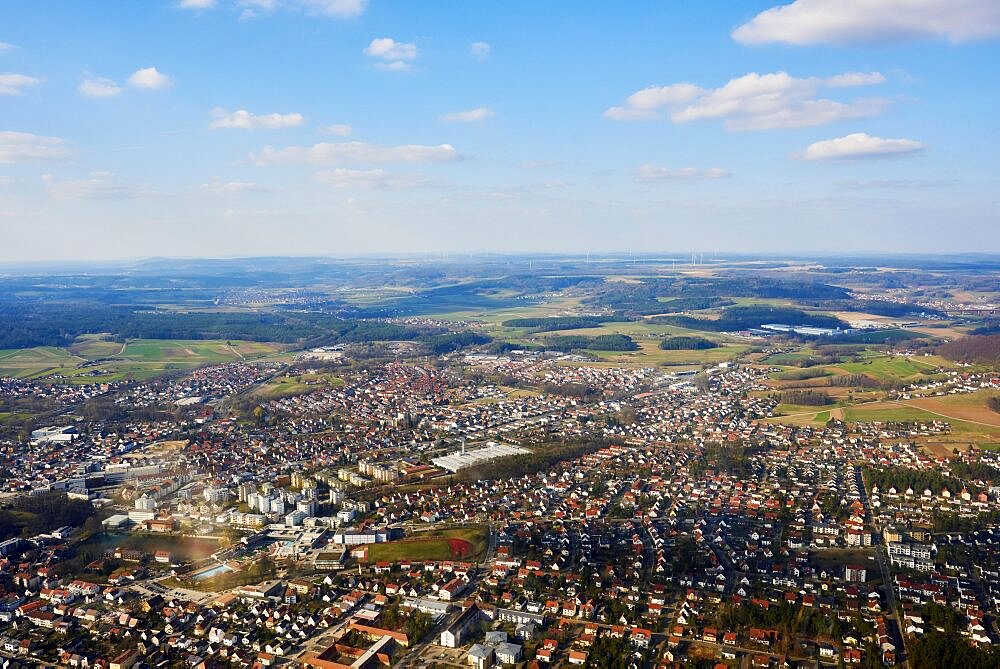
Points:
(971, 407)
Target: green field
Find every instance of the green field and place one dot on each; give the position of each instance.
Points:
(140, 359)
(8, 417)
(790, 358)
(433, 545)
(289, 386)
(890, 369)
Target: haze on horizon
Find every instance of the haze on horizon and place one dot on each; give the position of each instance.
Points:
(223, 128)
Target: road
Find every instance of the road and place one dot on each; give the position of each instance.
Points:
(881, 558)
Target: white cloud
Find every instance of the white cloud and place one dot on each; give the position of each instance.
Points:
(246, 120)
(754, 101)
(23, 147)
(196, 4)
(356, 152)
(150, 78)
(339, 9)
(394, 55)
(338, 129)
(870, 21)
(472, 115)
(656, 173)
(848, 79)
(14, 84)
(343, 177)
(99, 87)
(229, 186)
(480, 50)
(6, 46)
(643, 105)
(859, 145)
(94, 188)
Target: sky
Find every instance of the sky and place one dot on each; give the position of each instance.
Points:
(218, 128)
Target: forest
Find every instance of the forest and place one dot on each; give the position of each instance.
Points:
(610, 342)
(982, 349)
(687, 344)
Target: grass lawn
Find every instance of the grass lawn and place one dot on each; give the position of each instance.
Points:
(288, 386)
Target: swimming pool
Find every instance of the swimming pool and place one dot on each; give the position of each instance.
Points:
(213, 571)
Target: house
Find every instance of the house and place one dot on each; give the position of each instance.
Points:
(126, 660)
(480, 657)
(508, 653)
(454, 636)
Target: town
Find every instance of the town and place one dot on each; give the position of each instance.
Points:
(488, 509)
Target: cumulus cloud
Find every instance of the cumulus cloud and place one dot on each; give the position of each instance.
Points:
(99, 87)
(356, 152)
(196, 4)
(645, 104)
(14, 84)
(338, 129)
(246, 120)
(656, 173)
(393, 55)
(150, 78)
(472, 115)
(859, 145)
(754, 101)
(343, 177)
(806, 22)
(23, 147)
(480, 50)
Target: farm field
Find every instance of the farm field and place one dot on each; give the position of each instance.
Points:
(963, 432)
(139, 359)
(468, 543)
(651, 355)
(559, 306)
(890, 368)
(965, 406)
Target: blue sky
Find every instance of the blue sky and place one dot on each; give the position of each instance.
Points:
(244, 127)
